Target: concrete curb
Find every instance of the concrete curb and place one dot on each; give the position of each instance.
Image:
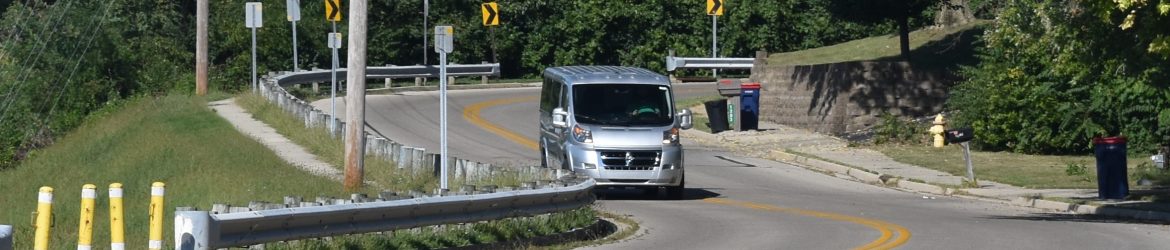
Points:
(902, 183)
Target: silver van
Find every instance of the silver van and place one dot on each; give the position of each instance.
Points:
(617, 125)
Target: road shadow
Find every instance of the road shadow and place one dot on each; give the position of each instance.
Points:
(642, 194)
(1079, 218)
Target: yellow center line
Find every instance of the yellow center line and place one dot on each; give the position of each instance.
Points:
(883, 242)
(887, 230)
(471, 114)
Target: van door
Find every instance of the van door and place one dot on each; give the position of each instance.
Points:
(549, 135)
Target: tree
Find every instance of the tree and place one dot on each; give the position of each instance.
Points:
(875, 11)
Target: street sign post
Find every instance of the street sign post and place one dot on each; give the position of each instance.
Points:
(491, 14)
(444, 43)
(293, 8)
(715, 9)
(334, 44)
(333, 15)
(253, 16)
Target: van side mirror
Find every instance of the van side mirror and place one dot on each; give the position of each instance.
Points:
(560, 118)
(685, 119)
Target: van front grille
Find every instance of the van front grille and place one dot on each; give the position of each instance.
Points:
(630, 160)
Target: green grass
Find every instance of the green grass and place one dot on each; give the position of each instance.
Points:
(329, 149)
(456, 236)
(1031, 171)
(928, 46)
(383, 173)
(174, 139)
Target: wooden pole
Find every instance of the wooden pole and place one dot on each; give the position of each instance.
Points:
(355, 106)
(201, 47)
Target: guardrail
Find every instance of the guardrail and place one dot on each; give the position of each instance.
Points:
(407, 157)
(204, 230)
(673, 63)
(6, 237)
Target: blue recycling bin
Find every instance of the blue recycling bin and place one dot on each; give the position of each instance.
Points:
(1112, 175)
(749, 102)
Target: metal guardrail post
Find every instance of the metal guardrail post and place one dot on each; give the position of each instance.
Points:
(193, 230)
(6, 237)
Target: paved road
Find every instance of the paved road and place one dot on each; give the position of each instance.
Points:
(735, 202)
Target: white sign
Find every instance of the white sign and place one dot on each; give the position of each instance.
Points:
(294, 10)
(334, 40)
(444, 39)
(253, 17)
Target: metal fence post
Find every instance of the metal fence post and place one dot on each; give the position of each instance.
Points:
(193, 230)
(6, 237)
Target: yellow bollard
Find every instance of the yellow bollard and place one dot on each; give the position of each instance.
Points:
(44, 218)
(156, 216)
(117, 226)
(85, 231)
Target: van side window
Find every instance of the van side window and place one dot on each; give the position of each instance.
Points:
(548, 92)
(564, 98)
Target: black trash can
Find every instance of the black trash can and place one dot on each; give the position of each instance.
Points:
(1112, 175)
(717, 115)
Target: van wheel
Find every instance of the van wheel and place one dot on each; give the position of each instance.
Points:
(676, 192)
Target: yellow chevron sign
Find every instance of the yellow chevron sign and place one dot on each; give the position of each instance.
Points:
(491, 14)
(333, 10)
(714, 7)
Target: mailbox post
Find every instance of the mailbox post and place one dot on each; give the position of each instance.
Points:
(963, 136)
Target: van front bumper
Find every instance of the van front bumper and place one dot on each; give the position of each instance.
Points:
(630, 166)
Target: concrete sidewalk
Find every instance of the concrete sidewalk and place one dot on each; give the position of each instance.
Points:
(833, 156)
(284, 148)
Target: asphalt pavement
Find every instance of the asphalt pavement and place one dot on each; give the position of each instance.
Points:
(739, 202)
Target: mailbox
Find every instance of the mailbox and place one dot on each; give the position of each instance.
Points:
(960, 135)
(729, 87)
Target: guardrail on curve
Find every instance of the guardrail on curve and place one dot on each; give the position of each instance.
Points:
(202, 230)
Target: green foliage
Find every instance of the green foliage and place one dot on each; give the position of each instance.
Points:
(1076, 169)
(894, 129)
(1053, 76)
(62, 60)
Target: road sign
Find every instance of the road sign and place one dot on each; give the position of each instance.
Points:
(715, 7)
(491, 14)
(334, 40)
(293, 8)
(253, 17)
(333, 10)
(444, 39)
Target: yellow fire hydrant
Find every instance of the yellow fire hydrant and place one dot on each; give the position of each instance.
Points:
(937, 130)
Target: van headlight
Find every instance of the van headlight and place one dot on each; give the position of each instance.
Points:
(582, 135)
(670, 136)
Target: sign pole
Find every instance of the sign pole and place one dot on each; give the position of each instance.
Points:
(444, 43)
(333, 83)
(294, 15)
(254, 20)
(714, 42)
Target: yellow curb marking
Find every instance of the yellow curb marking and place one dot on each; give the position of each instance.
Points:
(471, 114)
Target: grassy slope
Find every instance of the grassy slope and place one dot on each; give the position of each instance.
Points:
(174, 139)
(927, 46)
(1032, 171)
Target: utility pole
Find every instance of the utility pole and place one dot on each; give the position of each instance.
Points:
(201, 47)
(355, 106)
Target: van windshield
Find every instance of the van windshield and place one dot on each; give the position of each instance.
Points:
(622, 104)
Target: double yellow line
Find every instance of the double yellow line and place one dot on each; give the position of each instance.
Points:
(892, 235)
(888, 230)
